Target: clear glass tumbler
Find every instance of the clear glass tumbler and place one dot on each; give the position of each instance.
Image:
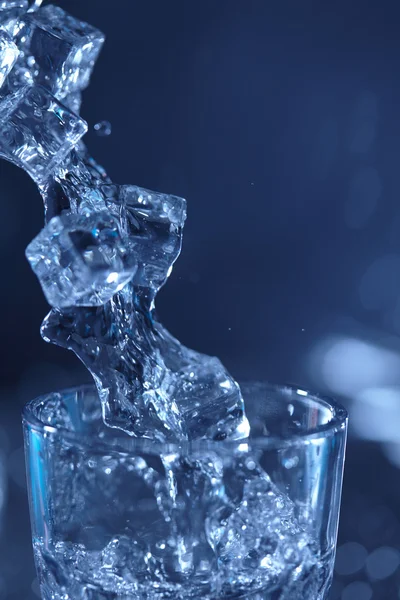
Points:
(116, 517)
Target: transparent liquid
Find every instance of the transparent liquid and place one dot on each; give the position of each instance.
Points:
(95, 580)
(204, 525)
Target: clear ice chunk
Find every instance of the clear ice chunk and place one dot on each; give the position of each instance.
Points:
(8, 55)
(37, 131)
(64, 48)
(153, 221)
(208, 398)
(256, 535)
(75, 185)
(13, 4)
(10, 13)
(73, 101)
(81, 260)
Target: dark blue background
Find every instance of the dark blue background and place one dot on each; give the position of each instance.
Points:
(280, 124)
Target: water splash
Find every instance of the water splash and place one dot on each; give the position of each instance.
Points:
(106, 249)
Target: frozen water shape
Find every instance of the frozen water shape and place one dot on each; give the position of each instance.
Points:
(37, 131)
(6, 5)
(64, 49)
(81, 260)
(252, 540)
(10, 13)
(153, 221)
(208, 398)
(73, 101)
(257, 538)
(75, 185)
(8, 55)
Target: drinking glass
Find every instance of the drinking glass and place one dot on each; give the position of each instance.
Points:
(116, 517)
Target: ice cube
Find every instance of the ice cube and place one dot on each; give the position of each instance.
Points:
(13, 4)
(207, 397)
(124, 558)
(10, 13)
(154, 223)
(37, 131)
(76, 185)
(73, 101)
(257, 538)
(8, 55)
(80, 260)
(64, 48)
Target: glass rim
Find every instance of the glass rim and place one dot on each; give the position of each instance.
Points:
(121, 443)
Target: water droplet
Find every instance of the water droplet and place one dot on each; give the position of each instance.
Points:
(103, 128)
